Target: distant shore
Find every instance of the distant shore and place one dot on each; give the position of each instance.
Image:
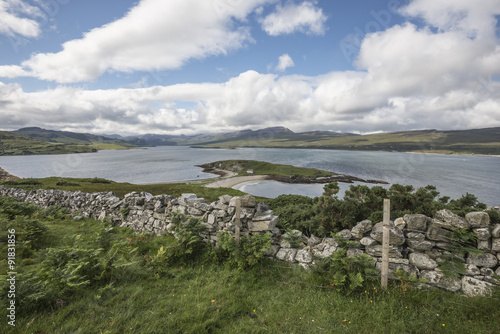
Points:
(6, 176)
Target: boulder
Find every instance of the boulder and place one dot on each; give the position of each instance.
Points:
(495, 245)
(473, 287)
(451, 220)
(416, 223)
(482, 260)
(266, 225)
(367, 241)
(478, 219)
(396, 236)
(422, 261)
(472, 270)
(400, 223)
(345, 234)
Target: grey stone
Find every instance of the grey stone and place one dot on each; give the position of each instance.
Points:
(272, 250)
(420, 245)
(376, 251)
(367, 241)
(422, 261)
(472, 287)
(286, 254)
(352, 252)
(361, 228)
(432, 276)
(416, 223)
(224, 199)
(495, 245)
(482, 260)
(257, 226)
(482, 233)
(497, 272)
(478, 219)
(400, 223)
(262, 207)
(396, 236)
(313, 240)
(438, 234)
(484, 245)
(471, 270)
(345, 234)
(487, 271)
(303, 256)
(324, 250)
(451, 220)
(248, 201)
(495, 232)
(415, 236)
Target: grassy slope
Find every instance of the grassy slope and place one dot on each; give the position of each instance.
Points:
(208, 298)
(11, 144)
(481, 141)
(266, 168)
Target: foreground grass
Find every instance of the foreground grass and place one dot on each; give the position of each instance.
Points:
(201, 297)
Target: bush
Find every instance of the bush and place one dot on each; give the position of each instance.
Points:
(247, 254)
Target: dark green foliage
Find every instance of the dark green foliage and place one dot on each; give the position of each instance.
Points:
(329, 214)
(494, 217)
(347, 274)
(245, 255)
(66, 183)
(23, 182)
(54, 212)
(461, 243)
(100, 180)
(11, 207)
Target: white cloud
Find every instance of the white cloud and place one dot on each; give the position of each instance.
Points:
(306, 18)
(285, 61)
(14, 21)
(153, 35)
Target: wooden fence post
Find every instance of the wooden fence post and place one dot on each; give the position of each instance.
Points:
(237, 221)
(385, 242)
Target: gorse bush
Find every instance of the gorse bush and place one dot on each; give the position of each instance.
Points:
(327, 213)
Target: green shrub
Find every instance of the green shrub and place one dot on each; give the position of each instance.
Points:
(494, 217)
(99, 180)
(247, 254)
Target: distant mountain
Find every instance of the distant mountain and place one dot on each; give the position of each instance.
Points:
(68, 138)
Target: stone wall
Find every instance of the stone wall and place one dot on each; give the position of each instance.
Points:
(418, 244)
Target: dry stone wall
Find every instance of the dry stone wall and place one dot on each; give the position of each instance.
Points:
(418, 244)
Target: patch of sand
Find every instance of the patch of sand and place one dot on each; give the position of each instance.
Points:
(231, 182)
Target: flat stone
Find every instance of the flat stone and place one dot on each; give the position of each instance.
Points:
(258, 226)
(376, 251)
(438, 234)
(451, 220)
(422, 261)
(472, 270)
(415, 236)
(367, 241)
(484, 245)
(361, 228)
(400, 223)
(482, 260)
(420, 245)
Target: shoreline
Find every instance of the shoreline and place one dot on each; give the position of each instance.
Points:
(6, 176)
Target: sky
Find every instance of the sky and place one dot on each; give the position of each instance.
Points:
(203, 66)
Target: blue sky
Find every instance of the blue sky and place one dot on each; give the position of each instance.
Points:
(197, 66)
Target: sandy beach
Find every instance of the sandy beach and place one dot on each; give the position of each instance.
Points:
(231, 182)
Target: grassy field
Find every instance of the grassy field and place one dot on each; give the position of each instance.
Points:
(202, 297)
(241, 167)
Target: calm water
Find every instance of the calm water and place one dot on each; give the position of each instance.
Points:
(452, 175)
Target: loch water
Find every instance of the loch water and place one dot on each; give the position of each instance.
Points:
(453, 175)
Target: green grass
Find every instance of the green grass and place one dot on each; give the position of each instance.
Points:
(272, 297)
(265, 168)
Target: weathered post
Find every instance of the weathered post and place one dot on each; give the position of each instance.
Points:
(385, 242)
(237, 221)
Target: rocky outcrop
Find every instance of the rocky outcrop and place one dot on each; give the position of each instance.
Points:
(419, 245)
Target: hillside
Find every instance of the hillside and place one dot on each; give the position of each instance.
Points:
(477, 141)
(12, 144)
